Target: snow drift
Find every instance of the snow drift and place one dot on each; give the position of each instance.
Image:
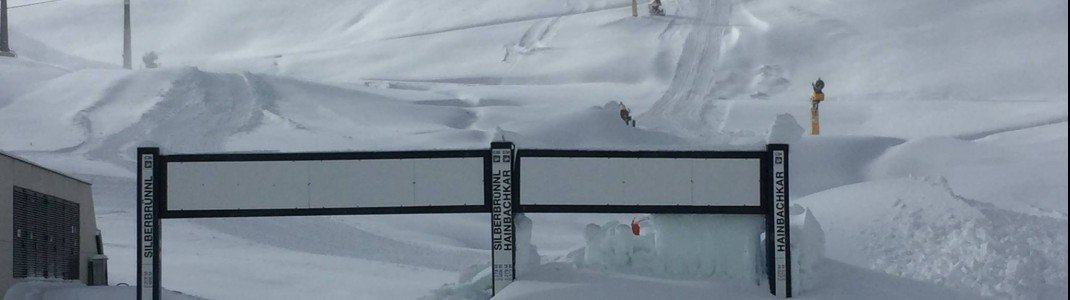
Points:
(919, 228)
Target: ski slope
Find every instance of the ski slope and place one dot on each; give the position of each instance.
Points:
(940, 172)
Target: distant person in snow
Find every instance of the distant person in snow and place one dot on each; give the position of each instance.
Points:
(626, 115)
(655, 8)
(150, 60)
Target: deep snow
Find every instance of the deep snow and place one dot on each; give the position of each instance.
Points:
(61, 290)
(974, 93)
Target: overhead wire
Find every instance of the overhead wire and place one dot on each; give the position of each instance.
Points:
(31, 4)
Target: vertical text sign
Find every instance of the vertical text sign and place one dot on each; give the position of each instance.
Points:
(781, 242)
(502, 230)
(147, 219)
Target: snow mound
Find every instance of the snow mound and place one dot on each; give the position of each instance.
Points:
(107, 113)
(785, 130)
(475, 282)
(807, 249)
(919, 228)
(1023, 170)
(562, 281)
(35, 64)
(28, 48)
(819, 163)
(63, 290)
(19, 76)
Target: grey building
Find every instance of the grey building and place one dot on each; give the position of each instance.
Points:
(47, 224)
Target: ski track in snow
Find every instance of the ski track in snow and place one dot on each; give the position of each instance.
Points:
(694, 70)
(694, 76)
(506, 21)
(1010, 128)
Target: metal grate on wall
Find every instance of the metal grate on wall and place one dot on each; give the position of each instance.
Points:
(46, 236)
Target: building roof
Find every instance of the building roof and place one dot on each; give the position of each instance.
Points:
(12, 156)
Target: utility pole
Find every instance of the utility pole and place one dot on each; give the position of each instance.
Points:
(4, 49)
(635, 8)
(126, 35)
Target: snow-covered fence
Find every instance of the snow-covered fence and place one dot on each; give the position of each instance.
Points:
(501, 181)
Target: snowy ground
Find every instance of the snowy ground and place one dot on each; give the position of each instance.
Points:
(61, 290)
(941, 171)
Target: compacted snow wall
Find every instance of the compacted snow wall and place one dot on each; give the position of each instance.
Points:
(720, 247)
(725, 246)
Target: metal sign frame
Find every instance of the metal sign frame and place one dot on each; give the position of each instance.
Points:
(774, 201)
(501, 186)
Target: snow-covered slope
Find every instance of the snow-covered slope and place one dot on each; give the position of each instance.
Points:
(971, 92)
(1022, 170)
(838, 281)
(920, 228)
(866, 51)
(186, 109)
(61, 290)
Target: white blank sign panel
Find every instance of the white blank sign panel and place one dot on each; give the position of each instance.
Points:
(640, 181)
(325, 184)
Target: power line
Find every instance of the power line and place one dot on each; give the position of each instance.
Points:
(31, 4)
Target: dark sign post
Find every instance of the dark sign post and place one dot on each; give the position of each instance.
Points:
(503, 230)
(148, 258)
(779, 223)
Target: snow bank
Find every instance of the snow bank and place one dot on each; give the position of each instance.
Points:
(919, 228)
(475, 282)
(785, 130)
(66, 290)
(1022, 170)
(562, 281)
(19, 76)
(527, 254)
(35, 64)
(823, 162)
(807, 249)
